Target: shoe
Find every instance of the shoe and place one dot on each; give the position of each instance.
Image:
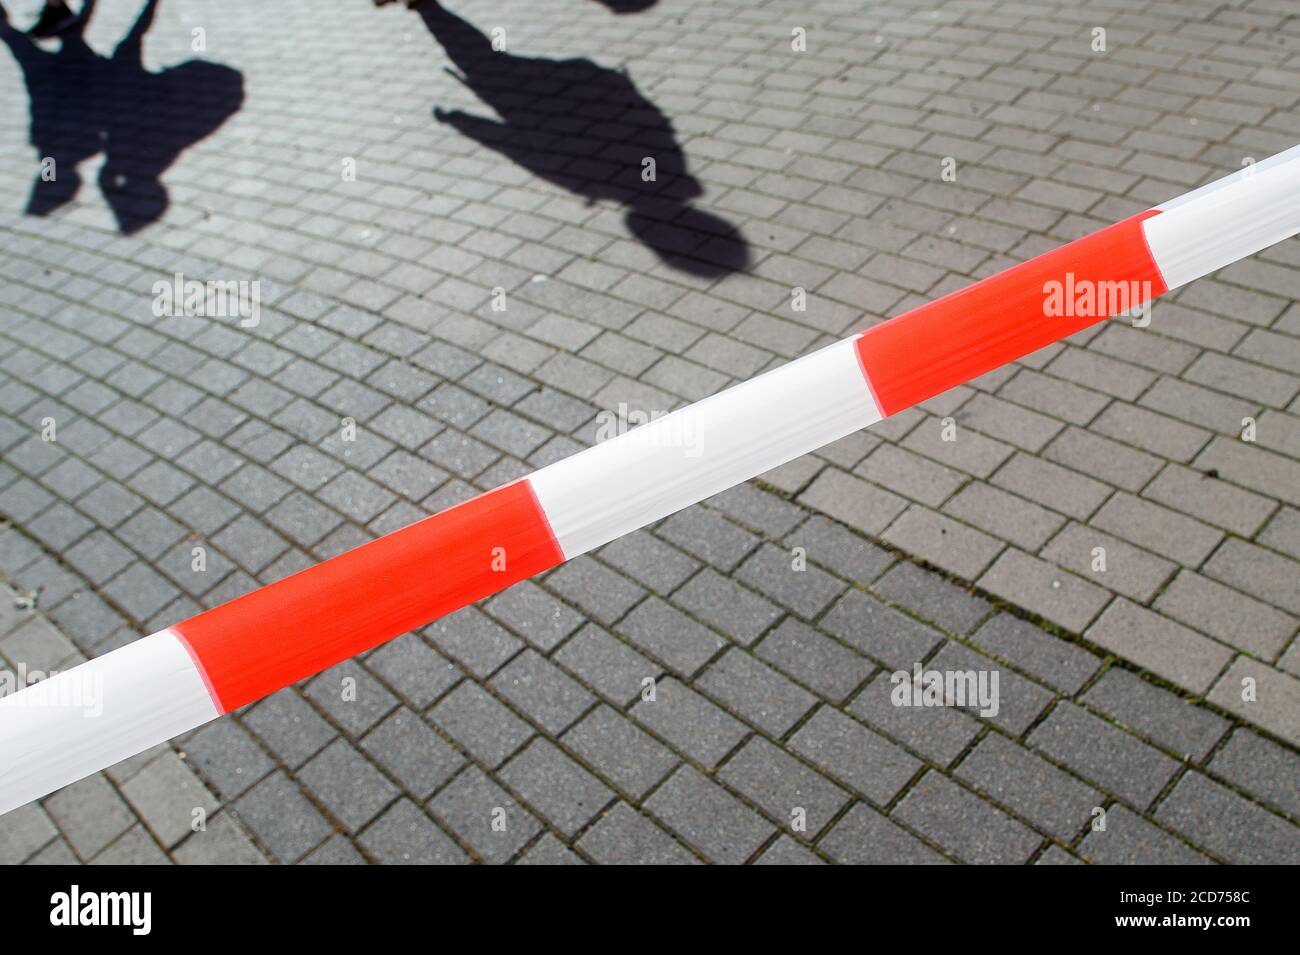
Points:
(52, 22)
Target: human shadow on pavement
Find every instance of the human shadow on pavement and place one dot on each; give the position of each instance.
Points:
(83, 103)
(588, 129)
(628, 6)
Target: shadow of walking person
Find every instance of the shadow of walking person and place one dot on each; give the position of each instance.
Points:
(628, 6)
(83, 104)
(588, 129)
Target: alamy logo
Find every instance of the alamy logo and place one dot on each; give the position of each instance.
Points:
(975, 688)
(212, 299)
(1084, 298)
(651, 429)
(75, 907)
(72, 689)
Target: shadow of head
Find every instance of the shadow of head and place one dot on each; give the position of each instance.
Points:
(84, 104)
(692, 240)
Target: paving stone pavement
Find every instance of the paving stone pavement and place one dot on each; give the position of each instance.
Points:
(383, 235)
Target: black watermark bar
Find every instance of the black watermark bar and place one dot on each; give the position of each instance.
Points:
(134, 906)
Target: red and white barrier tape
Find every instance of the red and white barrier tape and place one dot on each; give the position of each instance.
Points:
(179, 678)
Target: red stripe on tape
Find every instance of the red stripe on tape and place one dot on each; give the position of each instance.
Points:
(298, 626)
(961, 336)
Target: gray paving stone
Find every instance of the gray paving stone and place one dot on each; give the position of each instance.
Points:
(865, 837)
(1128, 839)
(133, 847)
(667, 634)
(1225, 614)
(708, 817)
(1165, 648)
(817, 661)
(723, 604)
(351, 696)
(771, 571)
(785, 851)
(910, 475)
(1096, 750)
(1128, 570)
(543, 691)
(556, 786)
(596, 589)
(930, 596)
(540, 618)
(1264, 696)
(405, 836)
(1055, 855)
(414, 754)
(1004, 515)
(975, 830)
(346, 784)
(1259, 572)
(1020, 700)
(689, 722)
(839, 550)
(1212, 501)
(1158, 529)
(758, 509)
(1054, 594)
(336, 850)
(98, 557)
(38, 645)
(1261, 767)
(551, 851)
(485, 816)
(1102, 459)
(939, 733)
(419, 674)
(481, 723)
(289, 727)
(757, 692)
(1156, 713)
(1033, 788)
(474, 640)
(943, 542)
(854, 755)
(1049, 658)
(858, 504)
(644, 557)
(879, 631)
(23, 831)
(227, 757)
(55, 853)
(625, 837)
(608, 665)
(89, 815)
(1051, 485)
(785, 788)
(223, 842)
(1227, 824)
(708, 536)
(281, 818)
(620, 750)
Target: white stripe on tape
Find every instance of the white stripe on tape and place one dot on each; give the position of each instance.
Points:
(79, 721)
(1227, 220)
(676, 460)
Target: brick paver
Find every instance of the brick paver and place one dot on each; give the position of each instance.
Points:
(1107, 531)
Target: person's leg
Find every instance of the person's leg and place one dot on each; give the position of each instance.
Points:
(56, 17)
